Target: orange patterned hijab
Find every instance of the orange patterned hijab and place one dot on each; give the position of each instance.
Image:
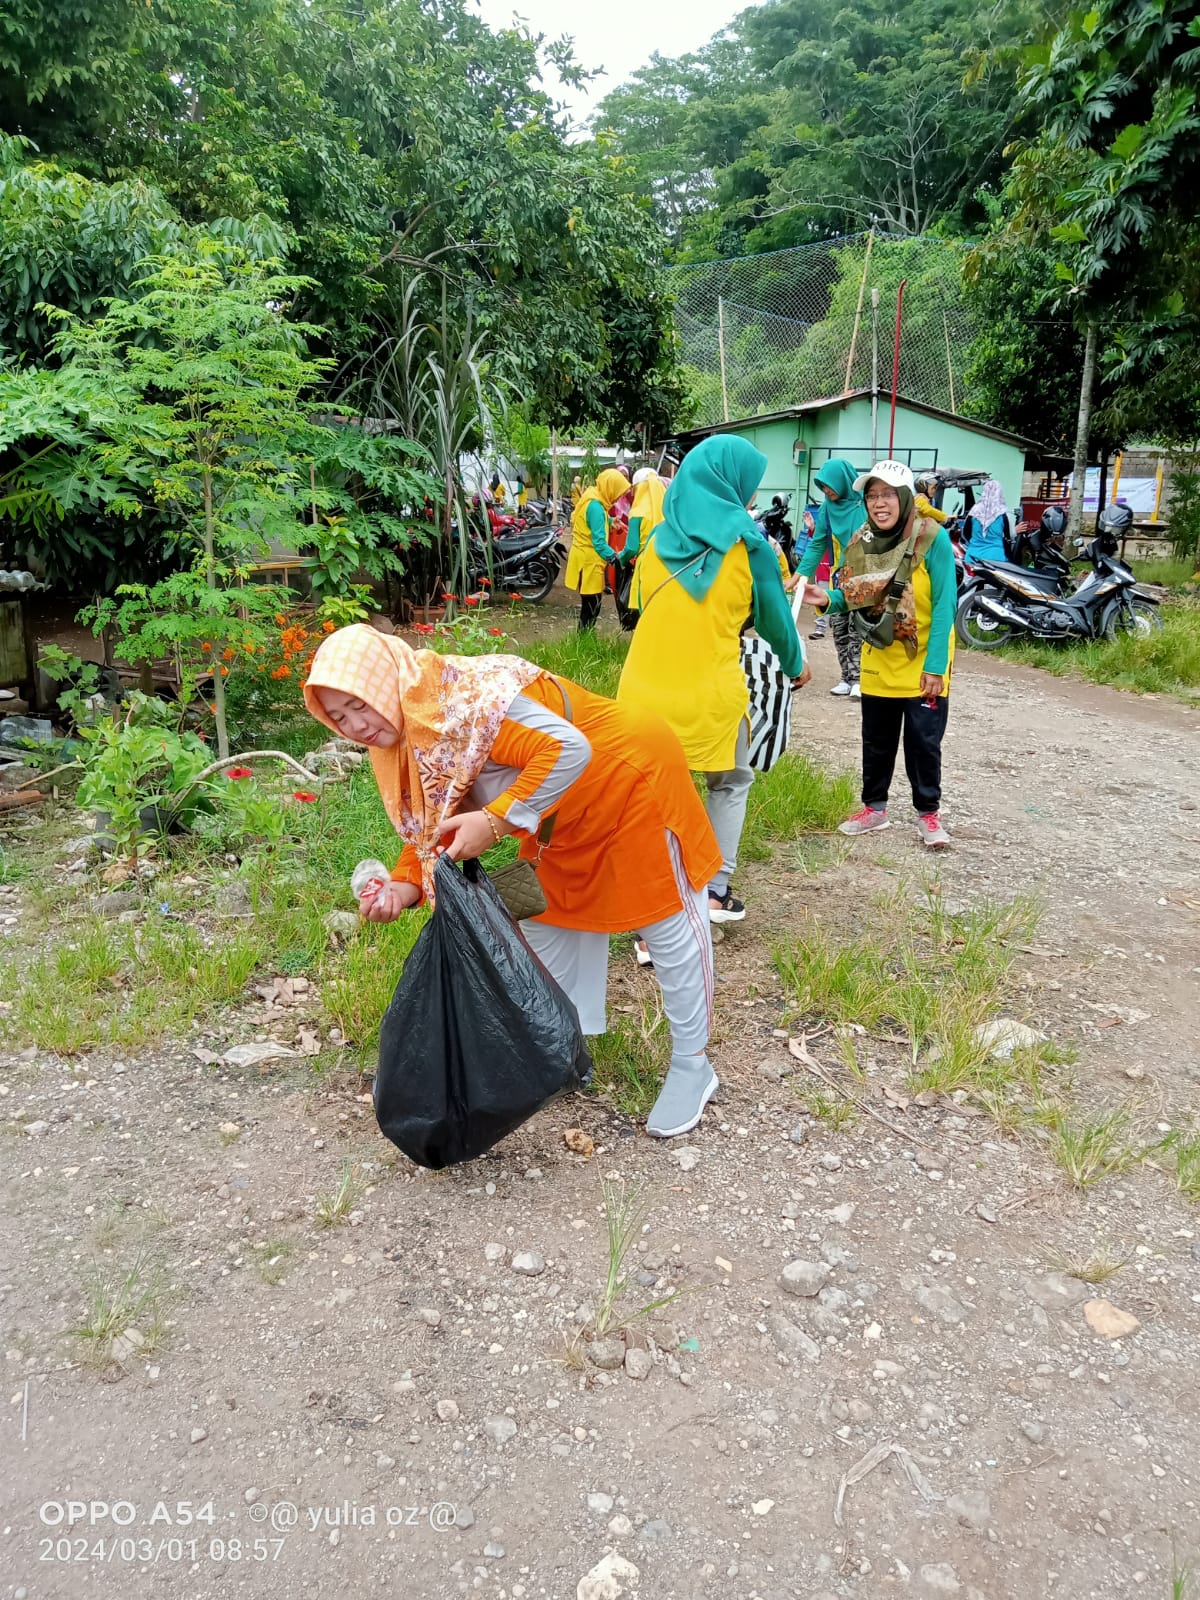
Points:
(448, 710)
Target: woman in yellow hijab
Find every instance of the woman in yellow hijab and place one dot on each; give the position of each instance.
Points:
(591, 551)
(646, 513)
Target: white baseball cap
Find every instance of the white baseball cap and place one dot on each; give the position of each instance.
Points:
(894, 473)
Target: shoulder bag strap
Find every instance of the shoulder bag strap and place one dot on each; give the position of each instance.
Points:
(895, 590)
(687, 565)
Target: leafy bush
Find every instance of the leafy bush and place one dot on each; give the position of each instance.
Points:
(1184, 514)
(139, 763)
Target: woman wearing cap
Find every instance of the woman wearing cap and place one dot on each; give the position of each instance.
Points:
(467, 749)
(591, 549)
(898, 585)
(837, 521)
(704, 570)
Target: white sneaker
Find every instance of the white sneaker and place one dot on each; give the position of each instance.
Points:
(644, 958)
(841, 688)
(856, 691)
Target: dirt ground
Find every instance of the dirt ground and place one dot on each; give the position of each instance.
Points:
(402, 1403)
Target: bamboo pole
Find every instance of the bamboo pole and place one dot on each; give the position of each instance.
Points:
(858, 310)
(554, 477)
(721, 351)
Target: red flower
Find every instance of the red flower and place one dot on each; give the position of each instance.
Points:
(486, 581)
(423, 627)
(446, 596)
(304, 794)
(240, 772)
(496, 633)
(472, 599)
(515, 597)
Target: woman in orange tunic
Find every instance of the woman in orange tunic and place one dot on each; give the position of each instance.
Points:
(468, 749)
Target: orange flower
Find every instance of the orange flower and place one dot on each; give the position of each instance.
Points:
(206, 647)
(282, 672)
(224, 672)
(250, 647)
(227, 655)
(280, 620)
(328, 627)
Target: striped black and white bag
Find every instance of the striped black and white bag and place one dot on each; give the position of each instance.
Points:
(770, 701)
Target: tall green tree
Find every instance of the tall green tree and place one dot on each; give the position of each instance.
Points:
(811, 118)
(379, 137)
(192, 400)
(1111, 178)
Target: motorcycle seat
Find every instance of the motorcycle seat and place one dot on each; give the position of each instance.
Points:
(1038, 575)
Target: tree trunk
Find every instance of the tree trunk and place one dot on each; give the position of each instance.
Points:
(1083, 427)
(210, 563)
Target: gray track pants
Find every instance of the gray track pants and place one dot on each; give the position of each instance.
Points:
(848, 646)
(728, 794)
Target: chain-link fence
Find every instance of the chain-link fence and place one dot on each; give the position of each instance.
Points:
(761, 333)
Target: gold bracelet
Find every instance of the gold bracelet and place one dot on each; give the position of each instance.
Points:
(492, 825)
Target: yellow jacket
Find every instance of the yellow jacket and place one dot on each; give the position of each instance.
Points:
(685, 662)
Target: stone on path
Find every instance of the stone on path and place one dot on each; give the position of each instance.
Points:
(804, 1277)
(529, 1262)
(609, 1579)
(1109, 1321)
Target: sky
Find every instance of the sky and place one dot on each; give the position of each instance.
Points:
(617, 35)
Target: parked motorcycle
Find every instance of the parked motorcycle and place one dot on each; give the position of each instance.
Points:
(775, 523)
(523, 561)
(1005, 601)
(1036, 552)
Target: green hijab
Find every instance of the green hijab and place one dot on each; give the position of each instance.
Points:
(704, 513)
(846, 513)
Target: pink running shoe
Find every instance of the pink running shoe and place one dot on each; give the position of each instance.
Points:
(933, 835)
(867, 820)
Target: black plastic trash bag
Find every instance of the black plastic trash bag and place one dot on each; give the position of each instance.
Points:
(478, 1035)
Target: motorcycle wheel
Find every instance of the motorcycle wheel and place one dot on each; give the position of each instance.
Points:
(1139, 617)
(536, 583)
(975, 629)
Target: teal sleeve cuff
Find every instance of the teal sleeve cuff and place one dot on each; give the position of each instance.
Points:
(939, 564)
(773, 618)
(633, 539)
(597, 523)
(837, 604)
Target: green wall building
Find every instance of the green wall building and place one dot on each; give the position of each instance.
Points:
(797, 441)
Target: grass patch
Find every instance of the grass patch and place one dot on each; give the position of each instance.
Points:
(1104, 1263)
(625, 1212)
(1163, 663)
(934, 977)
(121, 985)
(362, 982)
(127, 984)
(1168, 571)
(118, 1300)
(334, 1208)
(794, 798)
(272, 1258)
(1088, 1151)
(593, 659)
(834, 1110)
(1183, 1149)
(630, 1061)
